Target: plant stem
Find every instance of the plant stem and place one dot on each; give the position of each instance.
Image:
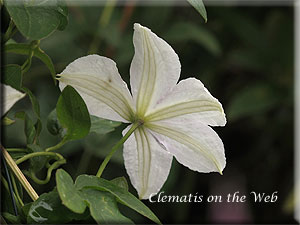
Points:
(13, 199)
(116, 147)
(16, 190)
(5, 184)
(9, 32)
(35, 154)
(16, 150)
(60, 144)
(18, 173)
(27, 64)
(49, 172)
(55, 165)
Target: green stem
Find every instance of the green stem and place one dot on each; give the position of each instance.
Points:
(49, 172)
(116, 147)
(60, 144)
(16, 150)
(27, 64)
(16, 190)
(9, 32)
(5, 184)
(20, 176)
(35, 154)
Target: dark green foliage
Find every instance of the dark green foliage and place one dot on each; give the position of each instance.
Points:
(73, 114)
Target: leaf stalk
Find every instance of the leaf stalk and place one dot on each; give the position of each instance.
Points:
(116, 147)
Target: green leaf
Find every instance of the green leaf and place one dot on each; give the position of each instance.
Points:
(121, 182)
(37, 163)
(48, 209)
(102, 126)
(103, 207)
(73, 114)
(34, 102)
(25, 210)
(12, 76)
(29, 127)
(122, 195)
(53, 125)
(199, 6)
(68, 193)
(36, 19)
(98, 125)
(24, 49)
(36, 109)
(11, 218)
(183, 31)
(63, 11)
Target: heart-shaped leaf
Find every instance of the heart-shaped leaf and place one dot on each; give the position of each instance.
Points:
(37, 19)
(73, 114)
(102, 126)
(102, 205)
(12, 76)
(122, 195)
(48, 209)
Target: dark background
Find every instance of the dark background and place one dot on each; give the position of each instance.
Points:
(243, 55)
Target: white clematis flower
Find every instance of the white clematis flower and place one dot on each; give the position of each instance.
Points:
(10, 97)
(173, 117)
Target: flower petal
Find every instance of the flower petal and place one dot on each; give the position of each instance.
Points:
(154, 70)
(97, 80)
(11, 96)
(189, 98)
(194, 144)
(146, 161)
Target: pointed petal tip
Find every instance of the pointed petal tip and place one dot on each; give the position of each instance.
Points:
(220, 169)
(138, 27)
(141, 196)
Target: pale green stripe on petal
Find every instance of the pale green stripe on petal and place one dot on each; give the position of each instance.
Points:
(147, 85)
(154, 70)
(190, 142)
(188, 97)
(144, 159)
(100, 90)
(146, 162)
(99, 83)
(195, 106)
